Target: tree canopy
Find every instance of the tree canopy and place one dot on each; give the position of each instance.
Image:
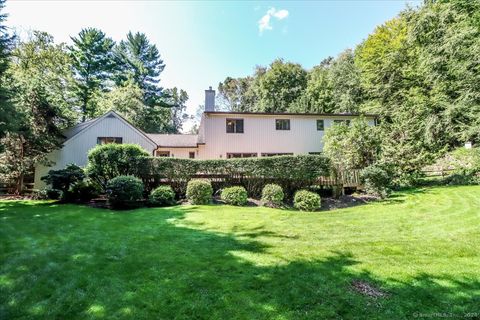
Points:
(419, 72)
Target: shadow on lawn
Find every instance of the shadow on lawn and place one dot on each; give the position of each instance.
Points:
(139, 264)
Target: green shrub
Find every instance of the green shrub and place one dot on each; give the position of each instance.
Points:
(302, 171)
(376, 180)
(83, 191)
(124, 191)
(47, 194)
(236, 196)
(162, 196)
(53, 194)
(108, 161)
(463, 177)
(63, 179)
(199, 191)
(272, 195)
(305, 200)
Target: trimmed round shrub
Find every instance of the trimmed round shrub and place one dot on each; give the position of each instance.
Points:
(272, 195)
(236, 196)
(199, 191)
(162, 196)
(305, 200)
(376, 180)
(125, 191)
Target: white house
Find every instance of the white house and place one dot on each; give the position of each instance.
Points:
(221, 135)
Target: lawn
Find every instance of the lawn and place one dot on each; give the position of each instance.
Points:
(418, 253)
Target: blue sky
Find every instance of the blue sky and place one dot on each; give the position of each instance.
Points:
(202, 42)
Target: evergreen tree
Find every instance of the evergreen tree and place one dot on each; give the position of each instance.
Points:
(7, 115)
(93, 65)
(139, 62)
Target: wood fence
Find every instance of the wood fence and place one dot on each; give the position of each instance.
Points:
(347, 179)
(7, 188)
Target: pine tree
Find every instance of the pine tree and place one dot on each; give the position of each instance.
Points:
(93, 65)
(6, 110)
(139, 61)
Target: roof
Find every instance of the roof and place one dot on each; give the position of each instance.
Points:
(70, 132)
(292, 114)
(79, 128)
(174, 140)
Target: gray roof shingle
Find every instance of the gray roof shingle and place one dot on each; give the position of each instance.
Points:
(174, 140)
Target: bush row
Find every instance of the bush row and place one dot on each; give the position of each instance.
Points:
(290, 172)
(125, 192)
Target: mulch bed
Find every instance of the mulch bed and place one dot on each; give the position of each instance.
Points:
(327, 203)
(346, 201)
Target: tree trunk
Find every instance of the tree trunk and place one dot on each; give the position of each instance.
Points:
(21, 175)
(19, 184)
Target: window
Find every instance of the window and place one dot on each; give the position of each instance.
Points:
(234, 125)
(191, 155)
(282, 124)
(105, 140)
(241, 155)
(347, 122)
(276, 154)
(159, 153)
(320, 125)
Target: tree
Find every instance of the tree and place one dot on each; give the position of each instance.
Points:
(177, 99)
(419, 71)
(126, 100)
(345, 82)
(280, 85)
(318, 96)
(238, 94)
(7, 115)
(93, 65)
(139, 62)
(40, 78)
(353, 146)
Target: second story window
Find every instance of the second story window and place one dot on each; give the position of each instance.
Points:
(105, 140)
(234, 125)
(282, 124)
(320, 125)
(347, 122)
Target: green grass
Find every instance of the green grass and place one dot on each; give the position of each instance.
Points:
(218, 262)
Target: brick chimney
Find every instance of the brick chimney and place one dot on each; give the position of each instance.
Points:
(210, 99)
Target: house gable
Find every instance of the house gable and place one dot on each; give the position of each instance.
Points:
(108, 123)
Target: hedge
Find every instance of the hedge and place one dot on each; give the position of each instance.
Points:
(108, 161)
(290, 172)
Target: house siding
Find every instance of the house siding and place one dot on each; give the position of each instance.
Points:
(75, 150)
(260, 134)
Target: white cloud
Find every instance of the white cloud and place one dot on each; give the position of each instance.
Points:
(265, 22)
(281, 14)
